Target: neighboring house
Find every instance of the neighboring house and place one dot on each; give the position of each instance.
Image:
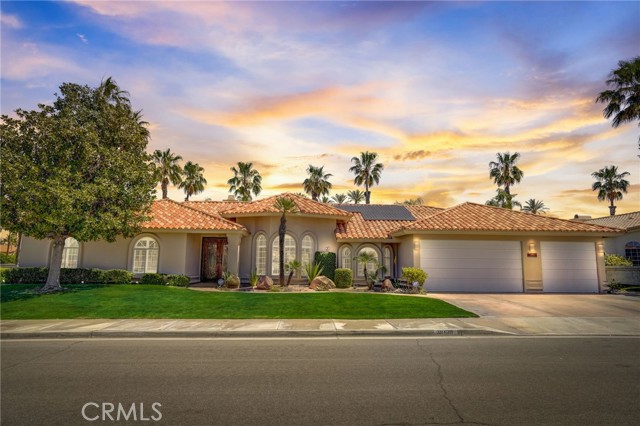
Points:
(626, 244)
(469, 247)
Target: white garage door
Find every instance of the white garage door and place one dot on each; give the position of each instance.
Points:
(474, 266)
(569, 267)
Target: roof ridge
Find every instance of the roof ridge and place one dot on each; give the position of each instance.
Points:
(218, 217)
(615, 215)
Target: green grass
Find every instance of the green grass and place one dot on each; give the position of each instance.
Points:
(146, 301)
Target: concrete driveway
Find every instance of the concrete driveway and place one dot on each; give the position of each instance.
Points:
(545, 305)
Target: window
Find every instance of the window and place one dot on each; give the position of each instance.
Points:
(632, 252)
(70, 253)
(345, 257)
(289, 253)
(386, 260)
(307, 252)
(371, 266)
(261, 255)
(145, 256)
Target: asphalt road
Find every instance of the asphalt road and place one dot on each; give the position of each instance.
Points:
(432, 381)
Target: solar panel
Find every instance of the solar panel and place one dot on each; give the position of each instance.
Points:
(379, 212)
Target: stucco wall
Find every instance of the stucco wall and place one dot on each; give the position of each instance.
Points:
(616, 245)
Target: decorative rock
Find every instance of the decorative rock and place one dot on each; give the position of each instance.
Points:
(387, 285)
(264, 283)
(322, 283)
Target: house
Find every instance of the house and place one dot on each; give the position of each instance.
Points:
(469, 247)
(626, 244)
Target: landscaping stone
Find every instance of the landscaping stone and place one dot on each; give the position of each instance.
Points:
(264, 283)
(387, 285)
(322, 283)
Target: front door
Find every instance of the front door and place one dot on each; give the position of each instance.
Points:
(214, 258)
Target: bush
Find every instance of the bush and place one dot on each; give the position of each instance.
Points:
(116, 276)
(152, 279)
(67, 276)
(312, 270)
(7, 258)
(327, 260)
(178, 280)
(231, 281)
(80, 276)
(26, 275)
(414, 275)
(615, 260)
(344, 278)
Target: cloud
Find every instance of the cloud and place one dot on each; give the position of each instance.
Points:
(82, 38)
(10, 21)
(31, 60)
(412, 155)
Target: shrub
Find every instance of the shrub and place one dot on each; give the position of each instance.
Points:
(81, 275)
(312, 270)
(26, 275)
(231, 281)
(327, 260)
(178, 280)
(615, 260)
(152, 279)
(117, 276)
(414, 275)
(7, 258)
(344, 278)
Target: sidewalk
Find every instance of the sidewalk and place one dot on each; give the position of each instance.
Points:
(163, 328)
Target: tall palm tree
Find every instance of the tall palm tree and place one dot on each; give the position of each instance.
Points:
(623, 101)
(367, 171)
(194, 181)
(504, 171)
(355, 196)
(339, 198)
(503, 200)
(610, 185)
(285, 205)
(167, 169)
(317, 184)
(534, 206)
(245, 181)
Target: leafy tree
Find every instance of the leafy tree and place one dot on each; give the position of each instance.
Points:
(339, 198)
(504, 172)
(167, 169)
(317, 184)
(503, 200)
(355, 196)
(193, 181)
(285, 205)
(610, 185)
(245, 181)
(367, 172)
(534, 206)
(623, 101)
(77, 168)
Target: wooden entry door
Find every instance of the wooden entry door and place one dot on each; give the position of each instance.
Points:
(214, 258)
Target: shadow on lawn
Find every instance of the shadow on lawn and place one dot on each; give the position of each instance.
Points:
(12, 292)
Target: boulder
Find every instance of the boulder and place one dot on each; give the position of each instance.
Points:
(387, 285)
(322, 283)
(264, 283)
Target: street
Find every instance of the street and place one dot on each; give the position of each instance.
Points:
(507, 381)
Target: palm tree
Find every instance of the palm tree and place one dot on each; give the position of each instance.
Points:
(504, 171)
(367, 172)
(364, 258)
(412, 202)
(317, 184)
(194, 180)
(292, 266)
(285, 205)
(356, 196)
(610, 185)
(339, 198)
(167, 169)
(245, 181)
(624, 100)
(325, 199)
(534, 206)
(503, 200)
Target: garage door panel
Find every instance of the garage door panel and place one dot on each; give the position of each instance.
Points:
(473, 273)
(569, 267)
(471, 285)
(460, 263)
(487, 254)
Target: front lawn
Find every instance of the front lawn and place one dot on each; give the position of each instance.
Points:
(147, 301)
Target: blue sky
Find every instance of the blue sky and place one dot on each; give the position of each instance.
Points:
(436, 88)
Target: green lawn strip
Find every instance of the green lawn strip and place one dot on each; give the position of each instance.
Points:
(146, 301)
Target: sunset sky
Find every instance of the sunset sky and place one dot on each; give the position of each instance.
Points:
(435, 88)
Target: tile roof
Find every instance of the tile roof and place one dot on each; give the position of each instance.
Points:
(480, 217)
(379, 211)
(306, 206)
(169, 214)
(628, 221)
(214, 207)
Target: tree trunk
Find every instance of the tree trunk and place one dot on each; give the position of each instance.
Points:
(53, 280)
(164, 190)
(17, 254)
(281, 233)
(612, 209)
(289, 278)
(8, 242)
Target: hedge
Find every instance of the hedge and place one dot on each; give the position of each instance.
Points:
(67, 276)
(327, 260)
(152, 278)
(344, 278)
(165, 279)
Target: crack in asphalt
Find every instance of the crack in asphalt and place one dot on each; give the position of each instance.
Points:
(66, 348)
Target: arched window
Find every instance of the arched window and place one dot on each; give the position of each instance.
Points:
(386, 260)
(345, 257)
(306, 253)
(145, 256)
(289, 253)
(70, 253)
(371, 266)
(261, 255)
(632, 252)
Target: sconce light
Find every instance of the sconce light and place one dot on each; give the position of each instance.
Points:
(416, 244)
(532, 250)
(600, 247)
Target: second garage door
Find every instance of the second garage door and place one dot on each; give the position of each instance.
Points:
(569, 267)
(473, 266)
